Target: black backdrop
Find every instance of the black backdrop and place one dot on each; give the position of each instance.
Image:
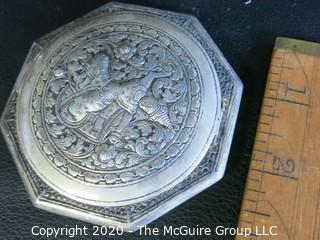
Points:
(244, 32)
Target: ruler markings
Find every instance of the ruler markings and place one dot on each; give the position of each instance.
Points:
(254, 179)
(267, 105)
(262, 151)
(288, 101)
(258, 160)
(265, 152)
(285, 163)
(276, 81)
(272, 89)
(265, 123)
(282, 67)
(244, 221)
(256, 190)
(269, 115)
(256, 212)
(270, 133)
(274, 173)
(274, 73)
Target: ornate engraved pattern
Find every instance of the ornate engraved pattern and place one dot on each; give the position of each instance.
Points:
(53, 80)
(209, 164)
(116, 104)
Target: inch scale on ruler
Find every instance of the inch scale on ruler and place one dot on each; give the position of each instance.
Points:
(282, 194)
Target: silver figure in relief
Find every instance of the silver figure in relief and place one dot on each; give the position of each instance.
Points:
(122, 115)
(113, 105)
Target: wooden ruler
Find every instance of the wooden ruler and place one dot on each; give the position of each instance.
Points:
(283, 184)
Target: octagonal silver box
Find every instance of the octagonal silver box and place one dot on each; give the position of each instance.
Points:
(121, 115)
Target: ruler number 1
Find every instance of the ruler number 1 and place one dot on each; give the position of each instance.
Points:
(286, 166)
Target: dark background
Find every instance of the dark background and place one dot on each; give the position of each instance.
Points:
(245, 34)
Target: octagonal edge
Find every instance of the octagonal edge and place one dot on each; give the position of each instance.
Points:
(209, 171)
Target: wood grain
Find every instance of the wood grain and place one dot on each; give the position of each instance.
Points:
(283, 184)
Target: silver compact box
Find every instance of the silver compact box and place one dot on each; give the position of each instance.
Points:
(122, 115)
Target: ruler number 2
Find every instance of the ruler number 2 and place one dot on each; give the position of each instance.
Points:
(286, 166)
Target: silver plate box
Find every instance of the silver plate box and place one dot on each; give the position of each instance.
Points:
(122, 115)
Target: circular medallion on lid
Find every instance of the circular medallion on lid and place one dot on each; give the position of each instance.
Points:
(121, 115)
(120, 109)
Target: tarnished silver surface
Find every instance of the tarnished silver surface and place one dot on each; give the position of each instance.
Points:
(122, 115)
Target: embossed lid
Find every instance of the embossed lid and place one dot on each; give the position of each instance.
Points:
(121, 115)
